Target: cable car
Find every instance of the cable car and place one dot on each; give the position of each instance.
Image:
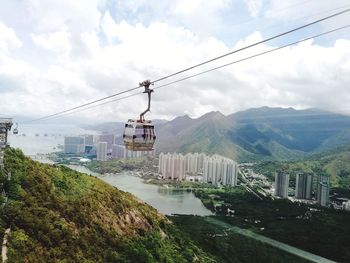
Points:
(139, 134)
(15, 130)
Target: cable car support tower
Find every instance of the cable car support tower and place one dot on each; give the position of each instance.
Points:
(5, 127)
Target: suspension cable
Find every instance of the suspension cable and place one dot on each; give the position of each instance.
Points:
(254, 44)
(192, 67)
(213, 69)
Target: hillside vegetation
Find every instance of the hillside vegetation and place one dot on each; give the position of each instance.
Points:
(334, 163)
(59, 215)
(319, 230)
(145, 163)
(228, 246)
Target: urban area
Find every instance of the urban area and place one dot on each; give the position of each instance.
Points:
(202, 168)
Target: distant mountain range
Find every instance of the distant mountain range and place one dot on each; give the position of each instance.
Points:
(258, 133)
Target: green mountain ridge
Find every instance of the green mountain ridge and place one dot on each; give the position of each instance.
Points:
(59, 215)
(255, 134)
(263, 133)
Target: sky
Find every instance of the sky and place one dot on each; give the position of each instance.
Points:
(55, 55)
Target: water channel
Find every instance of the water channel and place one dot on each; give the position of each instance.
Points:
(166, 200)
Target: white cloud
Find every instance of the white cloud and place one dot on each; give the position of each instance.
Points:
(57, 41)
(8, 38)
(51, 15)
(289, 10)
(65, 63)
(200, 16)
(254, 7)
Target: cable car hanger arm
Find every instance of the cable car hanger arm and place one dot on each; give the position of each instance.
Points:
(146, 84)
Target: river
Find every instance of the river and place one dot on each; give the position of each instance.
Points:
(166, 200)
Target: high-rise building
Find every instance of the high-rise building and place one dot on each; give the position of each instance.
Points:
(215, 169)
(281, 184)
(177, 167)
(303, 186)
(109, 139)
(172, 166)
(191, 163)
(89, 140)
(200, 163)
(229, 173)
(88, 144)
(73, 144)
(102, 151)
(207, 170)
(323, 190)
(219, 170)
(118, 151)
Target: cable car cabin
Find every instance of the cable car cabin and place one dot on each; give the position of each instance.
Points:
(15, 130)
(139, 135)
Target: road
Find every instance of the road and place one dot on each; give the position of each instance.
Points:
(282, 246)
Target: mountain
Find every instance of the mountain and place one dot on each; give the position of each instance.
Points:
(209, 134)
(272, 133)
(302, 130)
(253, 134)
(59, 215)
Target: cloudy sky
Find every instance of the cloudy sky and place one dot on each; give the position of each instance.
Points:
(56, 55)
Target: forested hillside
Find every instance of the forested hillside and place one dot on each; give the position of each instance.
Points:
(334, 163)
(59, 215)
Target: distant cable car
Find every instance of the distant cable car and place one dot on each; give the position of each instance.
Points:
(15, 130)
(139, 134)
